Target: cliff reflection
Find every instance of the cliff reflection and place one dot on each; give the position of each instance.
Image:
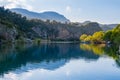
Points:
(45, 56)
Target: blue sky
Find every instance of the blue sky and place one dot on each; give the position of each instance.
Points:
(103, 11)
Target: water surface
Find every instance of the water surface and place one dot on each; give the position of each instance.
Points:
(59, 61)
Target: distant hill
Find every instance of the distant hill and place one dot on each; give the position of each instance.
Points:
(106, 27)
(49, 15)
(86, 22)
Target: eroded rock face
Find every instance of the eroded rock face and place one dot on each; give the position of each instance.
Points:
(6, 33)
(52, 32)
(63, 32)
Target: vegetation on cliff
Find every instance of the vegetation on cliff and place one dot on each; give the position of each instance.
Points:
(17, 27)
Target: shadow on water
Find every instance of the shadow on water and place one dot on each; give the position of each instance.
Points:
(44, 56)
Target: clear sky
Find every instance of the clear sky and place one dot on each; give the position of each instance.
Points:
(103, 11)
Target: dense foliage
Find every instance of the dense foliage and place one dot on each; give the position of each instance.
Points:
(97, 37)
(112, 36)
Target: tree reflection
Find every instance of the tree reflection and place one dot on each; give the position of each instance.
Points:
(102, 49)
(96, 49)
(50, 56)
(53, 56)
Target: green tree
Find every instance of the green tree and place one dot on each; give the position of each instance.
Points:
(116, 35)
(107, 35)
(113, 35)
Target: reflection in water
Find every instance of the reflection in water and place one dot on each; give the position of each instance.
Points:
(45, 56)
(102, 49)
(97, 49)
(76, 61)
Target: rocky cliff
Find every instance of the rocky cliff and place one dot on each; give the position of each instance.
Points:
(65, 31)
(7, 34)
(14, 27)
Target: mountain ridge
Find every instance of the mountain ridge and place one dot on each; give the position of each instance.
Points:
(15, 27)
(54, 16)
(47, 15)
(104, 27)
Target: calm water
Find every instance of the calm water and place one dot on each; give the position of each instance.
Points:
(59, 62)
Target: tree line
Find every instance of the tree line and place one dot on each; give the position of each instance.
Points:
(110, 36)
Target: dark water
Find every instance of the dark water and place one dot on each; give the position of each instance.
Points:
(59, 62)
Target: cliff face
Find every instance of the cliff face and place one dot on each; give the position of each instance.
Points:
(52, 32)
(16, 27)
(66, 32)
(7, 34)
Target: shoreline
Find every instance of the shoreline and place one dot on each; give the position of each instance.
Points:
(50, 41)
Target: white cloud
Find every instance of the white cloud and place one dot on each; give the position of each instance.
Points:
(11, 76)
(68, 9)
(16, 4)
